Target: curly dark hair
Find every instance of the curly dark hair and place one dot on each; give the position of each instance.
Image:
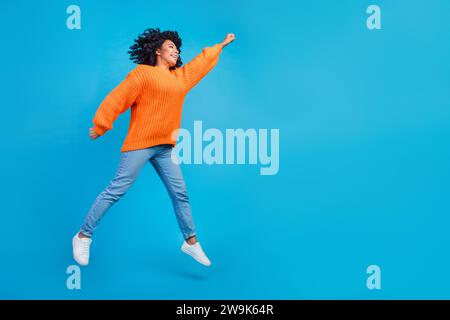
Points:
(146, 44)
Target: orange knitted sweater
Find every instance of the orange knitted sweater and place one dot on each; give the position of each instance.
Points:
(156, 97)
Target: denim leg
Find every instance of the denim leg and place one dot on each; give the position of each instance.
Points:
(171, 176)
(130, 164)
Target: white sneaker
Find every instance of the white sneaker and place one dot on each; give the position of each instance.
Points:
(80, 248)
(196, 252)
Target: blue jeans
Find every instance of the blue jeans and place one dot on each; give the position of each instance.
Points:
(131, 162)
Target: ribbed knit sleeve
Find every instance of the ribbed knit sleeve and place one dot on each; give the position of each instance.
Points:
(193, 71)
(117, 102)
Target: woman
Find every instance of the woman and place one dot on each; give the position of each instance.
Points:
(155, 91)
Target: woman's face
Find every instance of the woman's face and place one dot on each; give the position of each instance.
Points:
(168, 53)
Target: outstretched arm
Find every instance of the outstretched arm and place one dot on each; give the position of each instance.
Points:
(197, 68)
(115, 103)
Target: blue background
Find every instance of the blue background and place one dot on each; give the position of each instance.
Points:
(364, 152)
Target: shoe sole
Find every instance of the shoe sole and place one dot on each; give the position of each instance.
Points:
(188, 253)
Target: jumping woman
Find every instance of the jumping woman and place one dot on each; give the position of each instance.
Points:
(155, 90)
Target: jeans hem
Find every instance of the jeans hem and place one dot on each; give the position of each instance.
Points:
(189, 235)
(88, 234)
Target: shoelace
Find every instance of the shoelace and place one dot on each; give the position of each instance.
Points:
(85, 247)
(200, 251)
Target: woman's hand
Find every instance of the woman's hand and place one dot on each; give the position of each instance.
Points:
(228, 39)
(92, 134)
